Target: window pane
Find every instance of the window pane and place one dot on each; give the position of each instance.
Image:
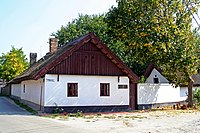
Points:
(122, 86)
(155, 80)
(72, 89)
(104, 89)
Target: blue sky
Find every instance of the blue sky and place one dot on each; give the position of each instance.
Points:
(29, 23)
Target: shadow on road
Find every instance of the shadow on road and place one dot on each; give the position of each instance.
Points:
(8, 107)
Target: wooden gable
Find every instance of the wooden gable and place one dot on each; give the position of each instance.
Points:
(87, 60)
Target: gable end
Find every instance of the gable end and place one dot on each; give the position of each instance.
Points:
(88, 60)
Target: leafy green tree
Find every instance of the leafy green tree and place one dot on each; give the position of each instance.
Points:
(157, 31)
(95, 23)
(12, 64)
(81, 26)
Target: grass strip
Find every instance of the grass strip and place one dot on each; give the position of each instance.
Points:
(29, 109)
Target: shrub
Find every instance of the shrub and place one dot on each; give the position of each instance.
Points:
(79, 114)
(57, 110)
(196, 96)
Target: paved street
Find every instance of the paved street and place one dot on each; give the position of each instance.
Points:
(7, 106)
(14, 119)
(33, 124)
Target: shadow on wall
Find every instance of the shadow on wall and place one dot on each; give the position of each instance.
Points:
(148, 93)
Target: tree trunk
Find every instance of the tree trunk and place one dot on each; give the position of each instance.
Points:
(190, 85)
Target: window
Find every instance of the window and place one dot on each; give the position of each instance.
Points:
(155, 80)
(24, 89)
(122, 86)
(72, 89)
(58, 78)
(104, 89)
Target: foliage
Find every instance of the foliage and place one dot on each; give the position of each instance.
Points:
(57, 109)
(156, 31)
(77, 114)
(159, 32)
(142, 79)
(96, 23)
(81, 26)
(13, 63)
(196, 96)
(143, 32)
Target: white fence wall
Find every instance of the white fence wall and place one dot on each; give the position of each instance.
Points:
(157, 93)
(88, 90)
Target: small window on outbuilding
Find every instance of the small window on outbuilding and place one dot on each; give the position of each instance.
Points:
(72, 89)
(104, 89)
(155, 80)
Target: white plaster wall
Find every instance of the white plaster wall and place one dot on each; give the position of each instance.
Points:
(88, 90)
(16, 90)
(161, 78)
(157, 93)
(33, 91)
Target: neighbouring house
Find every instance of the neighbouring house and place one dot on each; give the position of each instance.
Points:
(157, 90)
(81, 75)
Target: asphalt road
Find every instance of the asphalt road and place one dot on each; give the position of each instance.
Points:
(14, 119)
(7, 106)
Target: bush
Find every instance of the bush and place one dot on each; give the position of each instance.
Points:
(57, 110)
(79, 114)
(196, 96)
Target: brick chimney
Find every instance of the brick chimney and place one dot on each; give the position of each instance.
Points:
(53, 44)
(33, 58)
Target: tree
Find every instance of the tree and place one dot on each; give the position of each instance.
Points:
(81, 26)
(158, 31)
(95, 23)
(12, 64)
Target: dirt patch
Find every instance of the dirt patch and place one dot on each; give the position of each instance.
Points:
(140, 121)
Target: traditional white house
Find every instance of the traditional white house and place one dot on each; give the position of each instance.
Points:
(81, 75)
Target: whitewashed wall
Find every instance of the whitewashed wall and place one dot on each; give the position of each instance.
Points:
(33, 92)
(88, 90)
(154, 73)
(157, 93)
(16, 90)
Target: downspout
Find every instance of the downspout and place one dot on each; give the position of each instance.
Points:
(41, 98)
